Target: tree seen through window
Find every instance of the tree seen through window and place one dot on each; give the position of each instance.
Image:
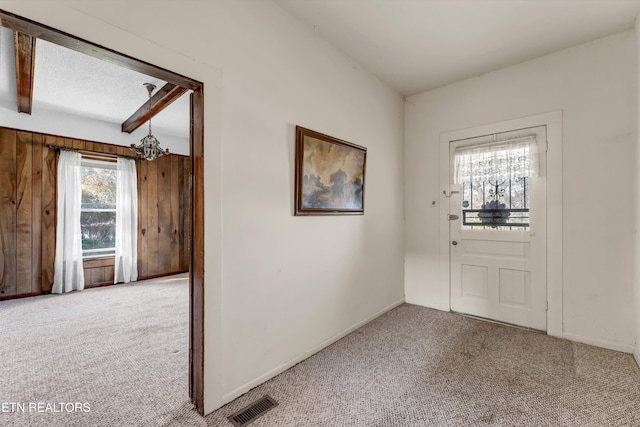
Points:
(98, 211)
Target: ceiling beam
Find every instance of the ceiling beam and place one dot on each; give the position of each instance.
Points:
(158, 102)
(25, 50)
(40, 31)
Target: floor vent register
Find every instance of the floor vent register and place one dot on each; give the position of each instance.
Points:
(253, 411)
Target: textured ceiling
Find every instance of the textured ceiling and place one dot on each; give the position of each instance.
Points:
(417, 45)
(74, 83)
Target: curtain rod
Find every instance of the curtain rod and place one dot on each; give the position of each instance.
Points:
(92, 153)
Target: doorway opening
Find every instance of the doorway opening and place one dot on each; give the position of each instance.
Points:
(31, 30)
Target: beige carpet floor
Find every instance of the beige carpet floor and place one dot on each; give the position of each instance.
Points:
(124, 350)
(419, 367)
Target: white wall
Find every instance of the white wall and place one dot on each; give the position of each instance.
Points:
(593, 84)
(277, 287)
(292, 283)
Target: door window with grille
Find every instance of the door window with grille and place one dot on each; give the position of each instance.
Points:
(494, 183)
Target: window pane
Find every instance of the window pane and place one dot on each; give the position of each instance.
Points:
(98, 232)
(98, 188)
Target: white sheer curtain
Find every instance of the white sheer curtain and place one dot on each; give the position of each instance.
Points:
(496, 161)
(126, 267)
(68, 273)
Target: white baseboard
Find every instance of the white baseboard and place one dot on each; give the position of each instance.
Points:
(636, 355)
(313, 350)
(611, 345)
(441, 307)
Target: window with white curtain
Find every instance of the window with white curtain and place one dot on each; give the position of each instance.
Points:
(98, 209)
(494, 178)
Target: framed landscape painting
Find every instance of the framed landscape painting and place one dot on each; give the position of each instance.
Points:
(329, 175)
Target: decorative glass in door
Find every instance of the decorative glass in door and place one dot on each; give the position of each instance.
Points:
(494, 181)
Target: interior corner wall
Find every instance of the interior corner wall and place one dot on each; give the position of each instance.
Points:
(593, 84)
(277, 287)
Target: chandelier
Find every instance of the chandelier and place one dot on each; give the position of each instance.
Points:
(149, 148)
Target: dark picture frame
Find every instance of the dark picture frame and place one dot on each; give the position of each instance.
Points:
(330, 175)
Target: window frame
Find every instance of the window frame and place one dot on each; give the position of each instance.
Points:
(101, 164)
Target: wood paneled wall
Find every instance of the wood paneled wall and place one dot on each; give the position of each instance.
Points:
(28, 171)
(27, 213)
(164, 208)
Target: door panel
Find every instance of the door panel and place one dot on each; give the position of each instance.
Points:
(488, 248)
(515, 287)
(474, 281)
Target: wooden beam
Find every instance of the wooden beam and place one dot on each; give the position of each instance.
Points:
(25, 50)
(158, 102)
(44, 32)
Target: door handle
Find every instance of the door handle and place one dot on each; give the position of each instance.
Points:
(454, 243)
(452, 217)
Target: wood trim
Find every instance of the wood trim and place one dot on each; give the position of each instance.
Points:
(25, 52)
(158, 102)
(190, 261)
(34, 29)
(30, 294)
(197, 246)
(99, 262)
(44, 32)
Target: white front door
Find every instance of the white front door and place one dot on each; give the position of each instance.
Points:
(497, 231)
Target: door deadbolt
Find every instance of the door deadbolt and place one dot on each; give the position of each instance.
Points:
(454, 243)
